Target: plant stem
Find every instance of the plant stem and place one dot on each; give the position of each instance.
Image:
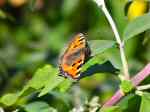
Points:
(102, 5)
(144, 87)
(136, 80)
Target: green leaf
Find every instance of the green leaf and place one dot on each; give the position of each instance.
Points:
(65, 85)
(2, 14)
(145, 103)
(113, 56)
(38, 107)
(117, 12)
(51, 84)
(42, 76)
(98, 59)
(130, 103)
(9, 99)
(124, 103)
(126, 86)
(45, 78)
(99, 46)
(139, 25)
(111, 109)
(32, 4)
(68, 7)
(64, 98)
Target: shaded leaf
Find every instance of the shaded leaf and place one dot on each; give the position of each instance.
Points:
(68, 7)
(130, 103)
(2, 14)
(32, 4)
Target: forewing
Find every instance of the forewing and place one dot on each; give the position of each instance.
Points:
(78, 42)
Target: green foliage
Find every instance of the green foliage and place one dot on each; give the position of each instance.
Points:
(99, 46)
(126, 86)
(68, 7)
(144, 107)
(38, 107)
(31, 38)
(130, 103)
(65, 85)
(9, 99)
(114, 57)
(137, 26)
(50, 85)
(32, 4)
(41, 77)
(111, 109)
(2, 14)
(45, 79)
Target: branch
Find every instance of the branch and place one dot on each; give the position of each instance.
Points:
(102, 5)
(136, 80)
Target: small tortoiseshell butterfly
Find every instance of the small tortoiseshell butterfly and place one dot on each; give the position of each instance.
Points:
(76, 54)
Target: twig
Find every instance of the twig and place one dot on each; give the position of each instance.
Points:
(102, 5)
(114, 99)
(136, 80)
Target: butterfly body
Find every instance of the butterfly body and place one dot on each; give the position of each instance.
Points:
(74, 57)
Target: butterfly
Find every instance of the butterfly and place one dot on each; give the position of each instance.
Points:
(76, 54)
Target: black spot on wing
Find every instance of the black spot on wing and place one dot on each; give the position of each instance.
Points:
(80, 66)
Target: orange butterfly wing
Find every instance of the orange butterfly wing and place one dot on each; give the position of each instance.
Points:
(74, 57)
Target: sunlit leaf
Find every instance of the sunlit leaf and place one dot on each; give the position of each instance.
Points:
(45, 78)
(51, 84)
(99, 46)
(117, 9)
(42, 76)
(113, 55)
(111, 109)
(38, 106)
(145, 103)
(98, 59)
(139, 25)
(126, 86)
(9, 99)
(65, 85)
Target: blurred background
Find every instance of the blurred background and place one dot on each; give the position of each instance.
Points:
(33, 32)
